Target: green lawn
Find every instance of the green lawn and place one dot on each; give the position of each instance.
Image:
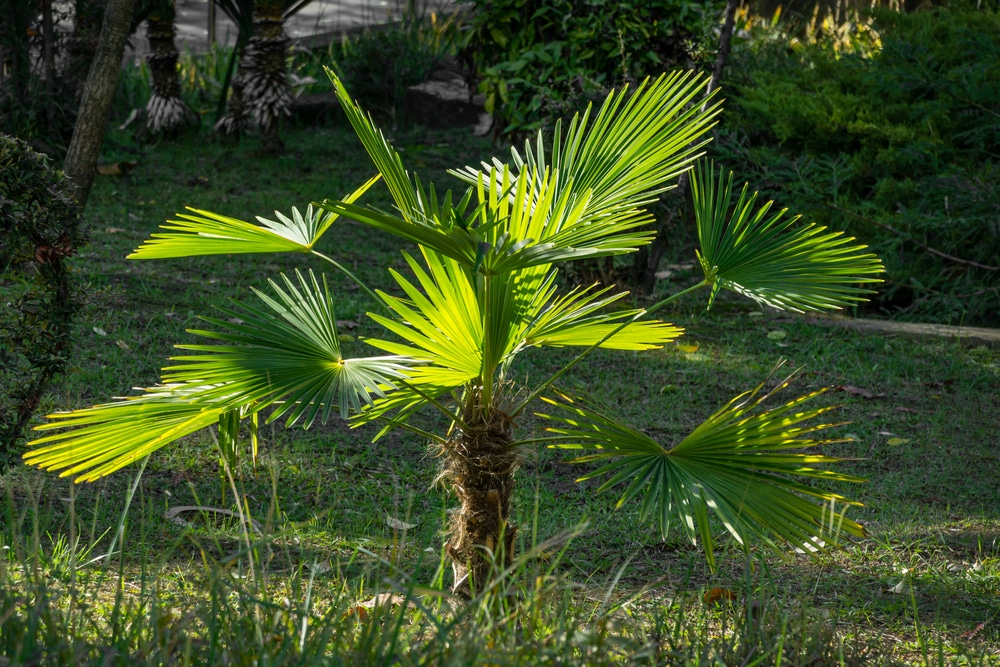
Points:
(924, 417)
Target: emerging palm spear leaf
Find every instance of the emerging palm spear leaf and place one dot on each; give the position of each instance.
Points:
(483, 290)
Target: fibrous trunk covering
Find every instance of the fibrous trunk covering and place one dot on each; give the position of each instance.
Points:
(260, 89)
(166, 111)
(480, 465)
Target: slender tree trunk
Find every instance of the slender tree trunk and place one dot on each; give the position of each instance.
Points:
(87, 20)
(48, 42)
(95, 107)
(480, 465)
(647, 260)
(166, 110)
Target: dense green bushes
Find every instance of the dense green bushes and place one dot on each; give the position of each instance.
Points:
(40, 225)
(897, 139)
(539, 60)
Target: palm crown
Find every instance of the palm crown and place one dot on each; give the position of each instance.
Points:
(483, 289)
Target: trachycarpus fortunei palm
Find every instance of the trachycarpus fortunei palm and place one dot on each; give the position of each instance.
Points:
(484, 290)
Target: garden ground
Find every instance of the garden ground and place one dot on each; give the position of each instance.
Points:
(342, 519)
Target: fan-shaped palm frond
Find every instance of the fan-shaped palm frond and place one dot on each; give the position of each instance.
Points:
(110, 436)
(610, 168)
(770, 259)
(585, 203)
(205, 233)
(288, 355)
(440, 321)
(736, 464)
(576, 319)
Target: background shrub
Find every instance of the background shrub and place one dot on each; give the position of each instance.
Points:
(40, 226)
(895, 136)
(538, 60)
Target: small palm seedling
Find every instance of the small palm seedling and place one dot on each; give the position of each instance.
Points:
(483, 290)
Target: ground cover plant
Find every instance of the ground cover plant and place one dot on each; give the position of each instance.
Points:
(617, 594)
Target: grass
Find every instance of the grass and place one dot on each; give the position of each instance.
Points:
(607, 591)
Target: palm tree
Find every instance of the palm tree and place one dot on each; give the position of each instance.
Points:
(261, 94)
(484, 290)
(166, 110)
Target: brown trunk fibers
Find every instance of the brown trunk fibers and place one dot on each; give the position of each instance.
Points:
(480, 465)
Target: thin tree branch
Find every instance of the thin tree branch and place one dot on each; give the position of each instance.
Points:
(905, 236)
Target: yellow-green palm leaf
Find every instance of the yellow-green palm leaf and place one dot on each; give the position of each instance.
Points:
(286, 355)
(205, 233)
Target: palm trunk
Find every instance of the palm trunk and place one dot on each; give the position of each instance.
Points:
(267, 87)
(260, 88)
(166, 110)
(480, 465)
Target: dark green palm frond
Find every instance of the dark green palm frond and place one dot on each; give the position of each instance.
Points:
(736, 464)
(205, 233)
(290, 353)
(771, 259)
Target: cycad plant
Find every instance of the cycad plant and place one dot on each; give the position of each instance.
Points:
(484, 289)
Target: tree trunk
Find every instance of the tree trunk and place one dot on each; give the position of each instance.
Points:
(87, 19)
(647, 260)
(95, 107)
(480, 466)
(48, 45)
(166, 110)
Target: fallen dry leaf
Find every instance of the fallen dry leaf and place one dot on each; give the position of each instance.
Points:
(777, 334)
(687, 349)
(717, 596)
(909, 410)
(663, 275)
(356, 610)
(396, 524)
(386, 599)
(114, 230)
(348, 324)
(896, 442)
(116, 169)
(975, 631)
(122, 344)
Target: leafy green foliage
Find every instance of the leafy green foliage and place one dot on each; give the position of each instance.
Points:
(40, 227)
(896, 141)
(540, 60)
(379, 63)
